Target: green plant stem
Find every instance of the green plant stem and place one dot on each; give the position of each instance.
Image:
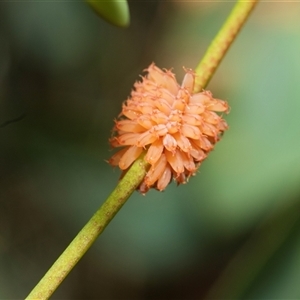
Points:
(222, 42)
(86, 237)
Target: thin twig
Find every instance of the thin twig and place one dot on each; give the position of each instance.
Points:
(221, 43)
(85, 238)
(89, 233)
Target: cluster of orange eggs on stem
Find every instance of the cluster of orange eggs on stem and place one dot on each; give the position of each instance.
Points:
(175, 126)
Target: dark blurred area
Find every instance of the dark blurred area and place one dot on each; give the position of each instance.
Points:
(231, 233)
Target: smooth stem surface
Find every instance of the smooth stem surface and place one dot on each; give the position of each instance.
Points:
(222, 42)
(86, 237)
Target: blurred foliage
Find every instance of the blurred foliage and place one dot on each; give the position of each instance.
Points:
(113, 11)
(69, 72)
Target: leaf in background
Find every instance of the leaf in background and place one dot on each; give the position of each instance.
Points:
(114, 12)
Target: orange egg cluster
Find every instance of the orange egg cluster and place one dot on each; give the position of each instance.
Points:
(176, 127)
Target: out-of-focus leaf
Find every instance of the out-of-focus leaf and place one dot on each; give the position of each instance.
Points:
(113, 11)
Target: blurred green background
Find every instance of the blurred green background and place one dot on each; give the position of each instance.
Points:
(232, 232)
